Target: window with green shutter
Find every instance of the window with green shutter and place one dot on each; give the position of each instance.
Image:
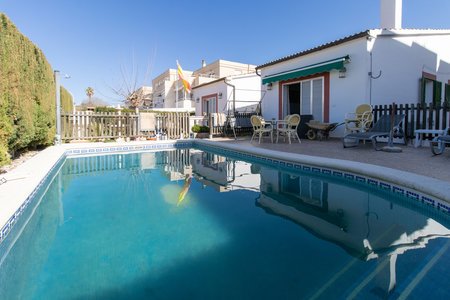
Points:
(430, 89)
(437, 92)
(447, 94)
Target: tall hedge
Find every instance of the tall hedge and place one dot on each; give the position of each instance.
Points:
(66, 100)
(27, 94)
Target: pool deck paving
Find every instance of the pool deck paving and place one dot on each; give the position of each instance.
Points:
(414, 160)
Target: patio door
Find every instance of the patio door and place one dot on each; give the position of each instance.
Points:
(209, 104)
(305, 97)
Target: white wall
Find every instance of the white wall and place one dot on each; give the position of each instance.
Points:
(402, 59)
(247, 93)
(210, 89)
(345, 93)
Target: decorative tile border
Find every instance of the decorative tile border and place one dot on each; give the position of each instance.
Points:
(130, 148)
(337, 174)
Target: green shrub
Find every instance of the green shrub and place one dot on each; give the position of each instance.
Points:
(27, 94)
(105, 109)
(196, 128)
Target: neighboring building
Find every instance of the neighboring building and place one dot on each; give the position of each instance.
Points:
(228, 94)
(220, 69)
(378, 66)
(165, 89)
(145, 93)
(225, 86)
(168, 91)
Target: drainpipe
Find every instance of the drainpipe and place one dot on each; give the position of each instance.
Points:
(234, 95)
(260, 101)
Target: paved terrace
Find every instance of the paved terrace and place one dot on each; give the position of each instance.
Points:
(415, 160)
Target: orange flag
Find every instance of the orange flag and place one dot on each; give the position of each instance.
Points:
(186, 84)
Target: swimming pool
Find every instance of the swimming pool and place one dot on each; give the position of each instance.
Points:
(190, 223)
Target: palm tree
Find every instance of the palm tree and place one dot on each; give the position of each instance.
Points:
(90, 93)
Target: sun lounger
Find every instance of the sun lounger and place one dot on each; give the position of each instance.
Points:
(382, 128)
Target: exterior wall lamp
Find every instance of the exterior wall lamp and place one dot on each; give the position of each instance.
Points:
(220, 95)
(269, 86)
(342, 72)
(197, 100)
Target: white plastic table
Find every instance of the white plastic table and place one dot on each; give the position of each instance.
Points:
(420, 132)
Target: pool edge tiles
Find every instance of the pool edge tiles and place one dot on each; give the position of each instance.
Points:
(427, 190)
(93, 149)
(16, 195)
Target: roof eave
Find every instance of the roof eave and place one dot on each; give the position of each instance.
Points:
(316, 49)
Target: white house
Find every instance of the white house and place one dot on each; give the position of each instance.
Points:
(228, 94)
(379, 66)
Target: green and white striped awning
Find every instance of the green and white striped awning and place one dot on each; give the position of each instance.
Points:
(325, 66)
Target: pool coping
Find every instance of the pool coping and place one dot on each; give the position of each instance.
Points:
(23, 181)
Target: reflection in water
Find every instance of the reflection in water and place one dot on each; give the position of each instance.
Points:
(365, 224)
(223, 174)
(171, 214)
(186, 186)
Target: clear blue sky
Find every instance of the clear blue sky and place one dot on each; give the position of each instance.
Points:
(92, 39)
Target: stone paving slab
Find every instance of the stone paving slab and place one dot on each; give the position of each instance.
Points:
(415, 160)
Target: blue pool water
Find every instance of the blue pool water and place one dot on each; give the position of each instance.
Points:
(188, 224)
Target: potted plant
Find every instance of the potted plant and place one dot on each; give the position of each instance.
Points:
(200, 131)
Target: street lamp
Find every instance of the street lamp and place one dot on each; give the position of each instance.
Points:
(58, 105)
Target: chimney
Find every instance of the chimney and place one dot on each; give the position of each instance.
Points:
(391, 14)
(203, 63)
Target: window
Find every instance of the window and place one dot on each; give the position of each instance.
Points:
(305, 98)
(430, 89)
(209, 104)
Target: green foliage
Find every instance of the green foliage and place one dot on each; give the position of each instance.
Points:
(105, 109)
(27, 93)
(197, 128)
(66, 100)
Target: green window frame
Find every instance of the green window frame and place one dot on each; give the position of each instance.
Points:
(436, 92)
(447, 94)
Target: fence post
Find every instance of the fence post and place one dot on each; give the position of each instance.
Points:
(210, 125)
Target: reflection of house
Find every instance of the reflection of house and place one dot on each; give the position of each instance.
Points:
(374, 66)
(177, 164)
(366, 225)
(223, 174)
